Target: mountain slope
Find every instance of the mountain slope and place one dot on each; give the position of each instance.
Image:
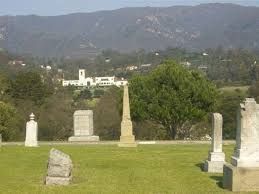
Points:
(191, 27)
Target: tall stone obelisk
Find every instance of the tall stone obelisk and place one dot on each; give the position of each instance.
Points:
(127, 139)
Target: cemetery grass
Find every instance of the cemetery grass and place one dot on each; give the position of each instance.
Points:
(243, 89)
(109, 169)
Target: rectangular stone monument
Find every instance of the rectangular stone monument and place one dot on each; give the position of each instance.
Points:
(127, 139)
(243, 172)
(216, 158)
(59, 168)
(0, 140)
(83, 127)
(31, 139)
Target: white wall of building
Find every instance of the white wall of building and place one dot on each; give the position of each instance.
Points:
(104, 81)
(94, 81)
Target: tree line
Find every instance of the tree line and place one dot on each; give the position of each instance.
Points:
(171, 101)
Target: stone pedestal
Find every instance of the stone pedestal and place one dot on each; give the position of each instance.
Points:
(215, 162)
(243, 172)
(127, 139)
(31, 139)
(83, 127)
(216, 158)
(240, 179)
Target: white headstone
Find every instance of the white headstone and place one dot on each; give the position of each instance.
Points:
(83, 126)
(31, 139)
(247, 138)
(242, 174)
(216, 157)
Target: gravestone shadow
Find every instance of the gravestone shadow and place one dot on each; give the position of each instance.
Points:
(200, 166)
(219, 180)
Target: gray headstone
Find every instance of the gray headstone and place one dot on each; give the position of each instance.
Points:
(217, 123)
(83, 126)
(83, 123)
(216, 158)
(59, 168)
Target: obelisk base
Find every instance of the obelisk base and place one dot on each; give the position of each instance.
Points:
(215, 162)
(127, 141)
(240, 179)
(83, 138)
(213, 166)
(31, 144)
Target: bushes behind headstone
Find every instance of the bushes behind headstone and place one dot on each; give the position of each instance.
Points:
(9, 122)
(107, 114)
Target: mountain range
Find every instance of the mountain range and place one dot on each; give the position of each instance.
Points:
(127, 29)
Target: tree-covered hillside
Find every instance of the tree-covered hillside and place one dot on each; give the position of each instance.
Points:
(86, 34)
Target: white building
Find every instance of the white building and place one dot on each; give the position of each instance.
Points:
(186, 63)
(48, 67)
(146, 65)
(131, 68)
(94, 81)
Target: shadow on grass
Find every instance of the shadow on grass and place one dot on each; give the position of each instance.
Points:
(200, 166)
(219, 180)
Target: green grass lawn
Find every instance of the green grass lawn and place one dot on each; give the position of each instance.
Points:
(242, 89)
(109, 169)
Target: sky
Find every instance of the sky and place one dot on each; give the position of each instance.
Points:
(61, 7)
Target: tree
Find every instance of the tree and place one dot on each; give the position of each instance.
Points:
(4, 85)
(173, 97)
(56, 117)
(4, 57)
(254, 91)
(228, 106)
(83, 95)
(107, 114)
(29, 86)
(8, 122)
(98, 93)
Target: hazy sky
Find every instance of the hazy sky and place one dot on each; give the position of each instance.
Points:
(58, 7)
